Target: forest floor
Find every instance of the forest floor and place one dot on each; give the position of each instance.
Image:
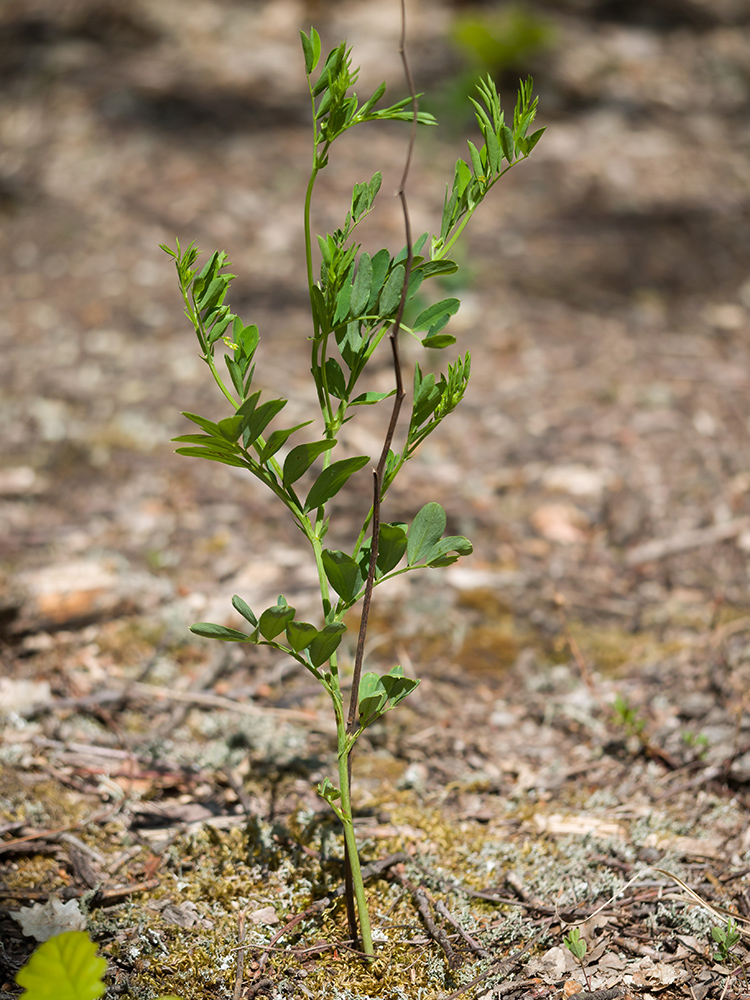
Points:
(578, 751)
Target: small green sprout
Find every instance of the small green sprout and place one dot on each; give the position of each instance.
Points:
(577, 948)
(696, 741)
(726, 938)
(627, 717)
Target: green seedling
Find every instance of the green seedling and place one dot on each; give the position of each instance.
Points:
(628, 717)
(65, 967)
(577, 948)
(726, 938)
(357, 300)
(696, 741)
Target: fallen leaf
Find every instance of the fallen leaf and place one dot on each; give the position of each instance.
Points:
(43, 921)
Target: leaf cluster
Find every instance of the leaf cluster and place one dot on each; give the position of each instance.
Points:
(504, 146)
(726, 939)
(335, 109)
(423, 544)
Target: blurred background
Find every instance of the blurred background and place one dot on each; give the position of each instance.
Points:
(606, 299)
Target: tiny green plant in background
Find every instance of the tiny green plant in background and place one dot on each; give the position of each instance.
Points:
(628, 717)
(65, 967)
(357, 301)
(503, 42)
(577, 948)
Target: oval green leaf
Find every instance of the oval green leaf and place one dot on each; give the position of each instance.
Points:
(245, 610)
(210, 631)
(426, 530)
(325, 643)
(300, 635)
(330, 481)
(274, 620)
(301, 457)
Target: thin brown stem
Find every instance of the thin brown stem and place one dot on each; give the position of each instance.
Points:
(378, 472)
(399, 397)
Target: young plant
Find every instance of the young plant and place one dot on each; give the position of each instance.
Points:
(357, 300)
(726, 939)
(577, 948)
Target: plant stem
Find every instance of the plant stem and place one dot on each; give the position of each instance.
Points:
(350, 841)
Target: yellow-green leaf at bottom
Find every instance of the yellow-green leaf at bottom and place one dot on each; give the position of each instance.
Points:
(64, 968)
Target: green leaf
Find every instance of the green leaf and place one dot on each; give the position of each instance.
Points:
(230, 428)
(274, 620)
(438, 341)
(380, 263)
(397, 686)
(212, 456)
(368, 398)
(506, 141)
(301, 457)
(343, 299)
(330, 481)
(235, 373)
(277, 439)
(213, 444)
(435, 268)
(476, 161)
(439, 554)
(300, 635)
(244, 609)
(343, 574)
(335, 378)
(210, 631)
(325, 643)
(463, 176)
(214, 294)
(391, 294)
(220, 326)
(328, 791)
(207, 425)
(65, 967)
(262, 416)
(372, 698)
(308, 51)
(362, 285)
(364, 110)
(425, 531)
(428, 316)
(391, 546)
(246, 337)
